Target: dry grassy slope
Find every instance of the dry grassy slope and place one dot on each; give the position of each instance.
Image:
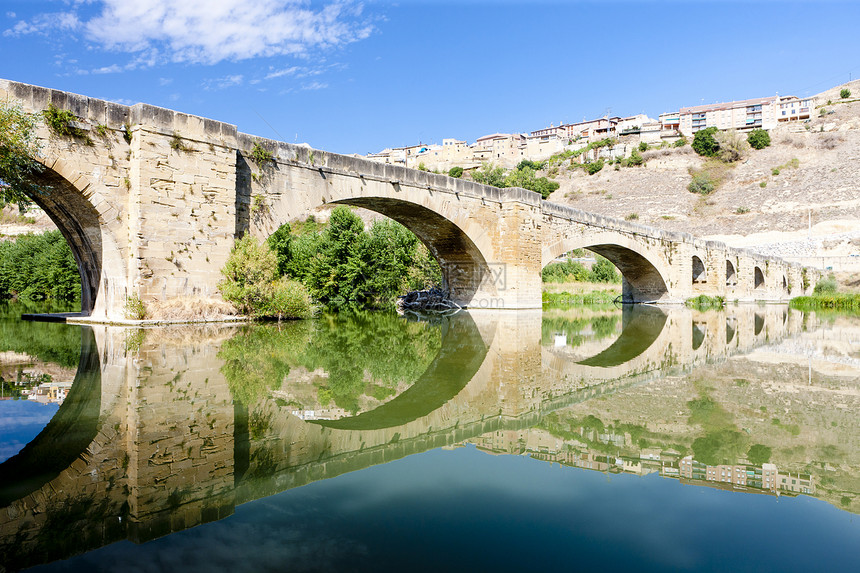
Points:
(825, 186)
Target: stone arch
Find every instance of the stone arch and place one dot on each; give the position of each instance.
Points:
(731, 274)
(699, 274)
(441, 221)
(70, 201)
(785, 286)
(758, 278)
(642, 275)
(465, 267)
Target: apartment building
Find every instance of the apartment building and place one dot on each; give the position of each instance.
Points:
(763, 113)
(506, 149)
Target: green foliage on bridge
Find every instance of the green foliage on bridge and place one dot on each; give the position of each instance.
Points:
(39, 267)
(343, 263)
(18, 147)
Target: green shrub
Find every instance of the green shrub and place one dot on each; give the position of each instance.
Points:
(826, 286)
(288, 299)
(455, 172)
(758, 139)
(593, 167)
(134, 308)
(703, 183)
(261, 155)
(635, 159)
(681, 142)
(732, 145)
(536, 165)
(643, 146)
(704, 142)
(62, 122)
(631, 217)
(248, 274)
(845, 93)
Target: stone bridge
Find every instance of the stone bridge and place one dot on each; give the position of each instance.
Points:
(149, 440)
(151, 200)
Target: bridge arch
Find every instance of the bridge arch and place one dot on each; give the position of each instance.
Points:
(731, 274)
(699, 274)
(81, 214)
(758, 278)
(643, 275)
(443, 222)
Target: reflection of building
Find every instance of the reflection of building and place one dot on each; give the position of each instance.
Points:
(543, 446)
(50, 392)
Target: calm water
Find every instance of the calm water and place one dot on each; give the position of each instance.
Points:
(580, 439)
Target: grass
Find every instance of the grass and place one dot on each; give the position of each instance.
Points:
(837, 301)
(595, 297)
(709, 177)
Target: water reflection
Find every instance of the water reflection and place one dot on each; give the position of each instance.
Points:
(170, 428)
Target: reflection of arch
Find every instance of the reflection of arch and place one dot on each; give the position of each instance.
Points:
(699, 334)
(759, 323)
(66, 436)
(758, 278)
(731, 326)
(731, 275)
(641, 325)
(699, 275)
(460, 356)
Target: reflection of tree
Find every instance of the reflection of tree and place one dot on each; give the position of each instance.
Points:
(258, 359)
(362, 352)
(602, 326)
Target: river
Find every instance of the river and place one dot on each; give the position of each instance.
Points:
(654, 439)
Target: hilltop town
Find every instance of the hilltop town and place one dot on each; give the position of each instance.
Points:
(795, 199)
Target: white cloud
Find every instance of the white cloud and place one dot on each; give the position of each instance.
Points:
(211, 31)
(45, 24)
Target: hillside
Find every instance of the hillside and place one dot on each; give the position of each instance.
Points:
(775, 218)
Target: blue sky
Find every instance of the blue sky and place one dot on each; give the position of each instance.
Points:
(356, 77)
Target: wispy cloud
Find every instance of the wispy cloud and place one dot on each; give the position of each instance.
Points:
(315, 86)
(224, 83)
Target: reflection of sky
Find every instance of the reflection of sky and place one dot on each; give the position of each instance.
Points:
(466, 510)
(20, 422)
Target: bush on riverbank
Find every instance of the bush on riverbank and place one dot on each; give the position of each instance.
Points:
(252, 284)
(39, 267)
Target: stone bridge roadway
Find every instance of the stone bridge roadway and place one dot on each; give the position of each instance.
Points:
(152, 203)
(149, 440)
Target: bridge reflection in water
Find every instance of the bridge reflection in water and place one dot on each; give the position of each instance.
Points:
(170, 428)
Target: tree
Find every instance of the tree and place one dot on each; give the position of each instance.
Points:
(280, 242)
(455, 172)
(489, 175)
(845, 93)
(758, 139)
(336, 272)
(18, 148)
(704, 143)
(602, 271)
